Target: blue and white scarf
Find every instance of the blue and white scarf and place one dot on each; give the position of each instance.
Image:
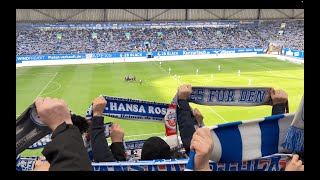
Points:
(231, 96)
(141, 110)
(270, 163)
(294, 140)
(26, 163)
(43, 141)
(129, 145)
(248, 140)
(18, 159)
(275, 162)
(132, 109)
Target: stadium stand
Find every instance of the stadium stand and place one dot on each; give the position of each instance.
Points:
(257, 28)
(72, 41)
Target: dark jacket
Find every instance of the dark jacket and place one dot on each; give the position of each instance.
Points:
(66, 151)
(99, 144)
(187, 121)
(280, 108)
(118, 151)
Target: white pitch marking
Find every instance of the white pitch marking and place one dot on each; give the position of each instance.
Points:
(46, 86)
(217, 114)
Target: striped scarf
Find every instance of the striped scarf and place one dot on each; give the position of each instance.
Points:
(248, 140)
(271, 163)
(294, 140)
(275, 162)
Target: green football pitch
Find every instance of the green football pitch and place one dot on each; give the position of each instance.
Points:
(78, 85)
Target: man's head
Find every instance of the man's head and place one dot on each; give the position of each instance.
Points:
(155, 148)
(176, 154)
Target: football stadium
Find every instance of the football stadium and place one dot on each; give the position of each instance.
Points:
(140, 60)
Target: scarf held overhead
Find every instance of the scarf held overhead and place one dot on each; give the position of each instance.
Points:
(132, 109)
(29, 129)
(141, 110)
(230, 96)
(43, 141)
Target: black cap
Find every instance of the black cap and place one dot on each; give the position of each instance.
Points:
(155, 148)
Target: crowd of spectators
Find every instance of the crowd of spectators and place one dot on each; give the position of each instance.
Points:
(72, 41)
(67, 151)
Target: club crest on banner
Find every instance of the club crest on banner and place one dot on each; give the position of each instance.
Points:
(170, 119)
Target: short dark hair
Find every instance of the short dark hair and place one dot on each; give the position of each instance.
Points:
(176, 154)
(80, 122)
(155, 148)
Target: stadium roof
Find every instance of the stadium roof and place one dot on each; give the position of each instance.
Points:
(125, 15)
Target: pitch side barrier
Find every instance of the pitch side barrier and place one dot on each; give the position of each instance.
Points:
(121, 57)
